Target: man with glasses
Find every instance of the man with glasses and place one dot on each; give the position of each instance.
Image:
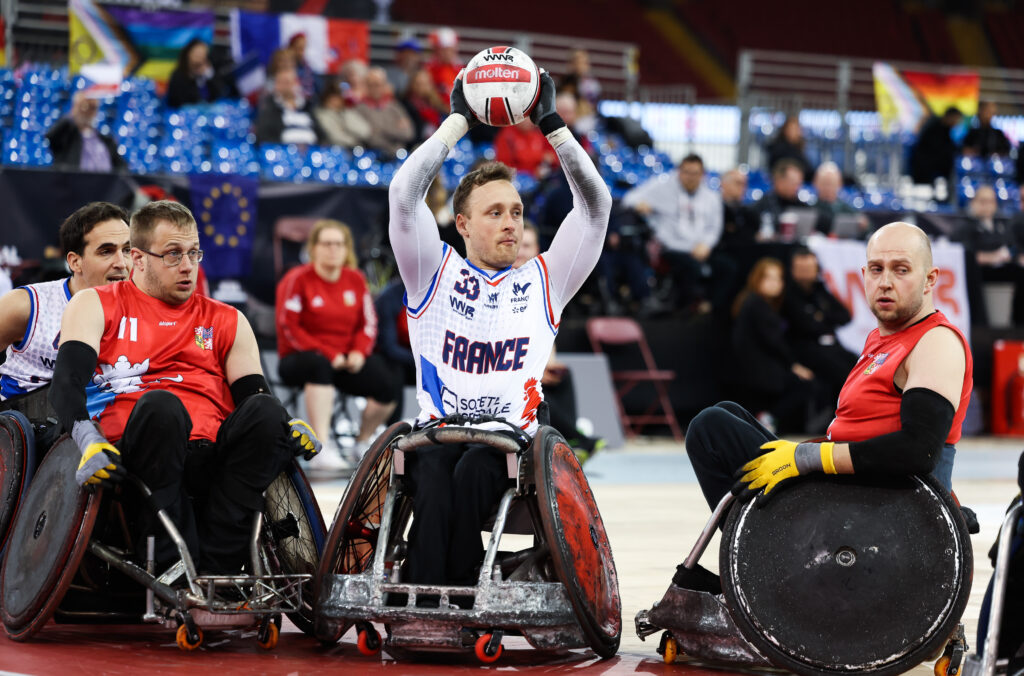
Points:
(174, 380)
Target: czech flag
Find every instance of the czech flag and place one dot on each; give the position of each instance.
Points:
(329, 42)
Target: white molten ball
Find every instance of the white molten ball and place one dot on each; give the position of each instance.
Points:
(501, 85)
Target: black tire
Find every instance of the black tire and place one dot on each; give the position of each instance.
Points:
(294, 534)
(580, 551)
(50, 536)
(352, 539)
(844, 575)
(17, 464)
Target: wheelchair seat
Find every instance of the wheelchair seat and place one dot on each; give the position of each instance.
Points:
(833, 575)
(559, 594)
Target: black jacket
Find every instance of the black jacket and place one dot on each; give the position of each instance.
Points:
(66, 145)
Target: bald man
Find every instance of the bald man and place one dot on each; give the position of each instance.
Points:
(899, 412)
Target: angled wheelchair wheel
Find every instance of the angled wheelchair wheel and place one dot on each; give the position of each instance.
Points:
(580, 551)
(294, 534)
(844, 575)
(49, 538)
(17, 464)
(352, 539)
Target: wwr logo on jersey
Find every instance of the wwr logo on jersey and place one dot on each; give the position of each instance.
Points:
(461, 307)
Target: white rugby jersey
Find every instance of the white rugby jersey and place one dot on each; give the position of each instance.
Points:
(482, 340)
(30, 361)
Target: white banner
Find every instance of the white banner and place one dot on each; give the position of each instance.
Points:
(841, 263)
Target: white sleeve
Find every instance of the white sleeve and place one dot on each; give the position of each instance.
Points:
(578, 243)
(412, 229)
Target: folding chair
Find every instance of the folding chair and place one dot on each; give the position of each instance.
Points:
(289, 229)
(622, 331)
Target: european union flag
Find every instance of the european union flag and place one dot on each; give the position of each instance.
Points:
(225, 209)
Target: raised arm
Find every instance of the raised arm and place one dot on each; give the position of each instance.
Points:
(577, 245)
(412, 228)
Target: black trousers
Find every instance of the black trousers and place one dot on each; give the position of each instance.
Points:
(374, 380)
(455, 490)
(724, 437)
(210, 490)
(561, 398)
(687, 273)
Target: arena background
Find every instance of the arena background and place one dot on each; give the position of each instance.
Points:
(677, 76)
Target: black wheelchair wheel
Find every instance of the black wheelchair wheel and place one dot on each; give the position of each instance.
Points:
(49, 538)
(844, 575)
(294, 535)
(580, 551)
(352, 539)
(17, 464)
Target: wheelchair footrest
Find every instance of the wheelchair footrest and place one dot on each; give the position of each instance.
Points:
(701, 624)
(251, 594)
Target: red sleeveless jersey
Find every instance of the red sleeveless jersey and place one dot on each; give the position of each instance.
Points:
(150, 345)
(869, 403)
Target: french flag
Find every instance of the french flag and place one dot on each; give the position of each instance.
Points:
(329, 42)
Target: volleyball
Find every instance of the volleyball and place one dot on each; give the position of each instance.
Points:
(501, 85)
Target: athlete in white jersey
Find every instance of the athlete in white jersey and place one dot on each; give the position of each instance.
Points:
(95, 243)
(481, 331)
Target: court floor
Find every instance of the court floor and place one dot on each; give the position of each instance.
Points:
(653, 511)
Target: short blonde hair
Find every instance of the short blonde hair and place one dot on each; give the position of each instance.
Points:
(346, 232)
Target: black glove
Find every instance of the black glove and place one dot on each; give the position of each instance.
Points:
(303, 438)
(458, 101)
(544, 114)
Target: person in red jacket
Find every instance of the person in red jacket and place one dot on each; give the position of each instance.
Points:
(524, 148)
(326, 329)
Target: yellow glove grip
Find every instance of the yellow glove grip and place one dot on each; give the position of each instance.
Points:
(828, 462)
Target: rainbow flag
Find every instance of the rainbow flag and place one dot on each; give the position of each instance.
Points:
(897, 103)
(942, 91)
(143, 42)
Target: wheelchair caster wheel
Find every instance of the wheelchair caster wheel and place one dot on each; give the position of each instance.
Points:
(670, 648)
(187, 640)
(368, 641)
(943, 664)
(485, 652)
(268, 635)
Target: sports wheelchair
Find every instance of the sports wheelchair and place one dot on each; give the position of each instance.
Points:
(999, 654)
(833, 575)
(560, 593)
(71, 557)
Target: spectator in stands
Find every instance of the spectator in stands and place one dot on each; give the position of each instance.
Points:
(524, 148)
(685, 217)
(393, 339)
(827, 182)
(579, 81)
(280, 59)
(787, 177)
(984, 140)
(307, 78)
(813, 316)
(934, 153)
(993, 256)
(773, 381)
(424, 105)
(392, 128)
(444, 65)
(739, 223)
(342, 124)
(408, 62)
(326, 328)
(567, 106)
(353, 80)
(285, 115)
(194, 79)
(789, 144)
(76, 143)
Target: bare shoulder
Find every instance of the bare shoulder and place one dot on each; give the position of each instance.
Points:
(938, 363)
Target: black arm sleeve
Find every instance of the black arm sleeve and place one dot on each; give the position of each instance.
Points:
(246, 386)
(76, 362)
(926, 418)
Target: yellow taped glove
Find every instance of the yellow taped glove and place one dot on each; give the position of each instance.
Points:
(101, 461)
(784, 460)
(304, 438)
